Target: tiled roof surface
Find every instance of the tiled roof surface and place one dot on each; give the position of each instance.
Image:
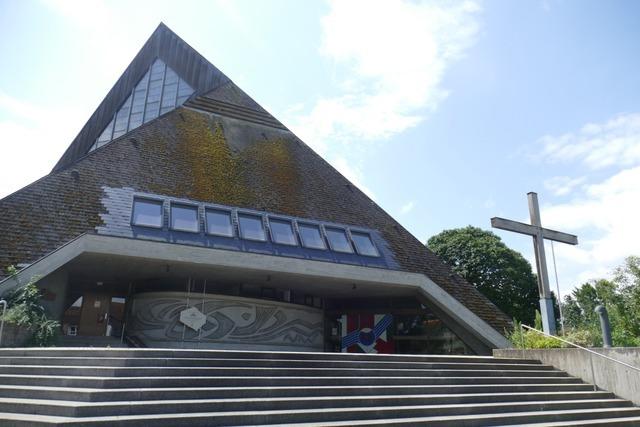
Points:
(210, 158)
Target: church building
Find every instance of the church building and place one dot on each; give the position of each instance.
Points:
(184, 215)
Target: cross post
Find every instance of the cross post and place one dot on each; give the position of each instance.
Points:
(538, 233)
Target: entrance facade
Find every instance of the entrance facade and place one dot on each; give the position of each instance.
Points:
(94, 313)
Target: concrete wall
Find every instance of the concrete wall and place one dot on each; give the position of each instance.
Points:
(231, 323)
(54, 293)
(610, 376)
(14, 336)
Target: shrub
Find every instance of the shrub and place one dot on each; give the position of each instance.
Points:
(536, 340)
(24, 309)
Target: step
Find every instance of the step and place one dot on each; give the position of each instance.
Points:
(266, 372)
(236, 354)
(605, 422)
(136, 394)
(97, 342)
(185, 387)
(221, 362)
(405, 416)
(130, 382)
(92, 409)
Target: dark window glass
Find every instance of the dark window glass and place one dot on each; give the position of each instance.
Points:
(147, 213)
(282, 232)
(311, 237)
(338, 240)
(363, 243)
(251, 227)
(219, 222)
(184, 218)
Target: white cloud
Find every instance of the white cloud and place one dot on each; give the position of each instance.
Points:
(614, 143)
(563, 185)
(407, 207)
(603, 213)
(394, 54)
(605, 217)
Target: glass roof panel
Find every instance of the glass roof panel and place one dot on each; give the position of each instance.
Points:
(311, 236)
(338, 240)
(363, 243)
(184, 218)
(282, 232)
(219, 222)
(159, 91)
(251, 227)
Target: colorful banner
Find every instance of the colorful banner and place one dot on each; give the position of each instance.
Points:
(366, 333)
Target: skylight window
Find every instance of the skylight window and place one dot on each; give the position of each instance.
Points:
(363, 243)
(311, 236)
(338, 240)
(251, 227)
(184, 218)
(219, 222)
(147, 213)
(160, 90)
(282, 232)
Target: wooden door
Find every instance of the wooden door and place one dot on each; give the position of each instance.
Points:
(93, 317)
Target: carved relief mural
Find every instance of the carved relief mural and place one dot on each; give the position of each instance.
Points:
(231, 322)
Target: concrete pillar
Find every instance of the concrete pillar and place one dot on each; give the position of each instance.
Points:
(548, 316)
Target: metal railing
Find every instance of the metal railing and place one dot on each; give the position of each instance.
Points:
(4, 310)
(591, 352)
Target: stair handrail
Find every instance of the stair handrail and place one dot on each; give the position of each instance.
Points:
(591, 352)
(4, 310)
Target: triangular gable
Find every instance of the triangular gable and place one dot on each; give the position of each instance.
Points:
(159, 91)
(164, 45)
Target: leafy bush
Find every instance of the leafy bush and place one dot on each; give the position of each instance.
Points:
(536, 340)
(24, 309)
(531, 339)
(584, 337)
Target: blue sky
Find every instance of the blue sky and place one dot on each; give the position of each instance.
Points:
(446, 113)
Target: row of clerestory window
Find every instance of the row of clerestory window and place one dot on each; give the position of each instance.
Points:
(252, 226)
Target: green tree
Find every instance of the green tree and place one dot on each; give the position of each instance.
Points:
(621, 297)
(503, 275)
(627, 277)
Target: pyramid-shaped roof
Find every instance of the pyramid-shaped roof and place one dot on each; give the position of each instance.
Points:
(219, 147)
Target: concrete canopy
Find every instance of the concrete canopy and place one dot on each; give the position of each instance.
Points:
(328, 278)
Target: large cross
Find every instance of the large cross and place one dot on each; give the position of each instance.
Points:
(539, 234)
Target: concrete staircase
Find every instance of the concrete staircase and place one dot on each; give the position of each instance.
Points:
(159, 387)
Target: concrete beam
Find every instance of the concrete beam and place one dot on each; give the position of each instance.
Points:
(531, 230)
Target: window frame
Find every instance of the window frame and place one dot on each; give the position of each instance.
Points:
(322, 236)
(184, 205)
(148, 200)
(249, 214)
(206, 222)
(355, 246)
(293, 230)
(346, 235)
